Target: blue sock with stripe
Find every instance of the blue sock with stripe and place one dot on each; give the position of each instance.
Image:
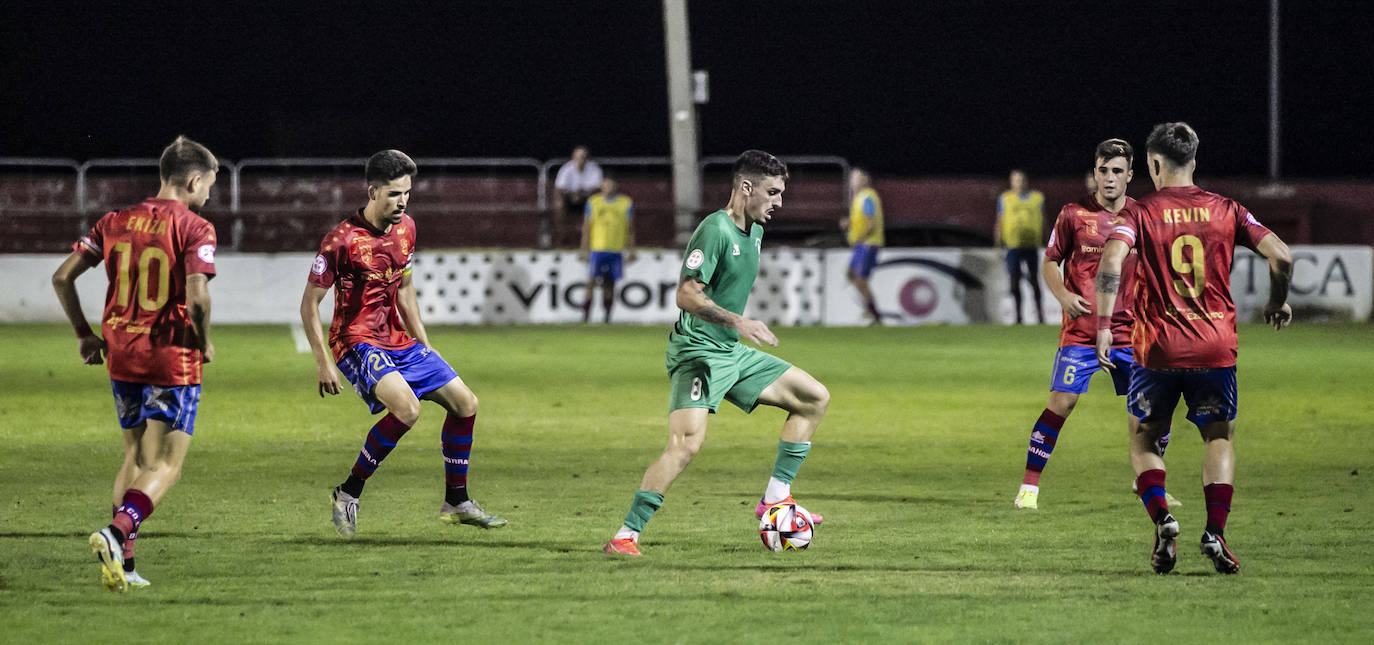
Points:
(1043, 436)
(381, 439)
(456, 438)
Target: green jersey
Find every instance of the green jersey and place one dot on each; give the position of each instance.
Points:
(727, 260)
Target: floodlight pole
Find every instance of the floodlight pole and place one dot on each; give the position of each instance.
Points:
(1273, 90)
(682, 119)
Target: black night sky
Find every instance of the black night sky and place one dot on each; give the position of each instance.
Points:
(942, 88)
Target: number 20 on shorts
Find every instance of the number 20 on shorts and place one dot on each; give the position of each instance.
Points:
(377, 360)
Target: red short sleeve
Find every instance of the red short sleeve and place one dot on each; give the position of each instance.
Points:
(199, 245)
(1249, 231)
(1127, 226)
(1061, 237)
(326, 265)
(92, 244)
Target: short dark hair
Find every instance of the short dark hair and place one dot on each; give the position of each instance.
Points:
(1177, 141)
(1113, 148)
(387, 165)
(183, 157)
(758, 163)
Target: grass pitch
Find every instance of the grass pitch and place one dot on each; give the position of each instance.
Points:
(914, 468)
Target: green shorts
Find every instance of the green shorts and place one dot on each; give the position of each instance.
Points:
(700, 379)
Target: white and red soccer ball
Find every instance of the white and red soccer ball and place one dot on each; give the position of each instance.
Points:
(786, 527)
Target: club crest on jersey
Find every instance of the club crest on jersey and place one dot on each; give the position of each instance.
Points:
(363, 248)
(736, 250)
(695, 258)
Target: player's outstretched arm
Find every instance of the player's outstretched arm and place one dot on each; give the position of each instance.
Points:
(310, 319)
(64, 283)
(1108, 281)
(409, 306)
(198, 310)
(691, 298)
(1073, 304)
(1276, 311)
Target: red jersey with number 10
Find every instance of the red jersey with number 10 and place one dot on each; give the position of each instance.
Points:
(1079, 234)
(148, 251)
(365, 267)
(1187, 237)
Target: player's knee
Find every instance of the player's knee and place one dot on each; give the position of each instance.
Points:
(407, 413)
(815, 398)
(1214, 431)
(681, 454)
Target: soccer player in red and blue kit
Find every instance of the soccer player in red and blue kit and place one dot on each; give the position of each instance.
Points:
(1077, 239)
(155, 332)
(366, 259)
(1185, 328)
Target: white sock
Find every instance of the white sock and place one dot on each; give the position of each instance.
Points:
(776, 491)
(627, 532)
(1030, 487)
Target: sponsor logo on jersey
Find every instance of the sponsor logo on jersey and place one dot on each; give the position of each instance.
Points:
(695, 258)
(736, 250)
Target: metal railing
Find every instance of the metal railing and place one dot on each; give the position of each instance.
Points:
(41, 162)
(235, 171)
(540, 171)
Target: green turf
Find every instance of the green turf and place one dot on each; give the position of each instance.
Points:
(914, 469)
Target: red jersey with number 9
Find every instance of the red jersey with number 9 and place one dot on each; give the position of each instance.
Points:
(1187, 237)
(148, 251)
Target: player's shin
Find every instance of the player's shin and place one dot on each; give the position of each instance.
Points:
(135, 508)
(1218, 498)
(1151, 486)
(381, 439)
(642, 508)
(1044, 435)
(456, 438)
(791, 454)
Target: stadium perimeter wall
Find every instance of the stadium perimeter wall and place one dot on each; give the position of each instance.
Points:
(286, 209)
(795, 287)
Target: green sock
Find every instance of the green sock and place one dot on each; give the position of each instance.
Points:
(642, 508)
(790, 457)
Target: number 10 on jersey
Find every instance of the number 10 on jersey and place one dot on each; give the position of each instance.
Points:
(146, 259)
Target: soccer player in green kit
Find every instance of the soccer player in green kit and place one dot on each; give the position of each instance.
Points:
(706, 361)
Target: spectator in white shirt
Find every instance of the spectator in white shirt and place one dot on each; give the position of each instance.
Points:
(577, 180)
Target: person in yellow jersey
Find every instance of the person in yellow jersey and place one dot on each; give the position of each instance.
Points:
(865, 228)
(1020, 228)
(608, 234)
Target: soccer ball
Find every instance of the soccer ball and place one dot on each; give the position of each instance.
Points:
(786, 527)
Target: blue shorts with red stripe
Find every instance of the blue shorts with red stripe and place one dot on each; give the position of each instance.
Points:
(1074, 366)
(1209, 393)
(176, 405)
(363, 365)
